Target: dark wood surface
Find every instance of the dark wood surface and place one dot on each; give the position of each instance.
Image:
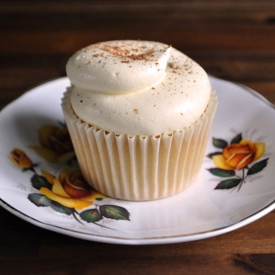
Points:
(231, 39)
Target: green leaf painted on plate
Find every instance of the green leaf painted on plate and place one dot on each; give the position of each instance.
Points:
(114, 212)
(228, 184)
(221, 173)
(219, 143)
(40, 181)
(91, 215)
(257, 167)
(237, 139)
(39, 200)
(99, 199)
(61, 208)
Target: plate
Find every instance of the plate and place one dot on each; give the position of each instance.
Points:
(232, 190)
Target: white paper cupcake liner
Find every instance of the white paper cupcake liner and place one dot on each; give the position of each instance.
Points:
(138, 167)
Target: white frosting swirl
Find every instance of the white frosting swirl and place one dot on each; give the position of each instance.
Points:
(118, 66)
(172, 94)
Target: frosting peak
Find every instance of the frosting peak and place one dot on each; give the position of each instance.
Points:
(119, 67)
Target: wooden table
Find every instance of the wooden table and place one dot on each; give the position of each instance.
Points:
(231, 39)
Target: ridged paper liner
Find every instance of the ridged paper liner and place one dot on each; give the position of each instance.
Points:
(139, 167)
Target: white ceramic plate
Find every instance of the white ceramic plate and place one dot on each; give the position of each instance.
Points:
(200, 212)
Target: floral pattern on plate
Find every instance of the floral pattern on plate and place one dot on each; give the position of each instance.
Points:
(68, 192)
(233, 162)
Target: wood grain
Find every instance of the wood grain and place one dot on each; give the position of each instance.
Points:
(231, 39)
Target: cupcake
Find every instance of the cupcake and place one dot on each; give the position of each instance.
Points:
(139, 114)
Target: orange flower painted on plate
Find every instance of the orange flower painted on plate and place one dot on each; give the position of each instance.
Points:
(237, 161)
(239, 155)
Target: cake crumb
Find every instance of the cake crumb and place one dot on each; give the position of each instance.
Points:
(136, 111)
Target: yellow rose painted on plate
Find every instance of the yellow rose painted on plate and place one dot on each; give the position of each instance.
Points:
(237, 160)
(70, 189)
(239, 155)
(55, 144)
